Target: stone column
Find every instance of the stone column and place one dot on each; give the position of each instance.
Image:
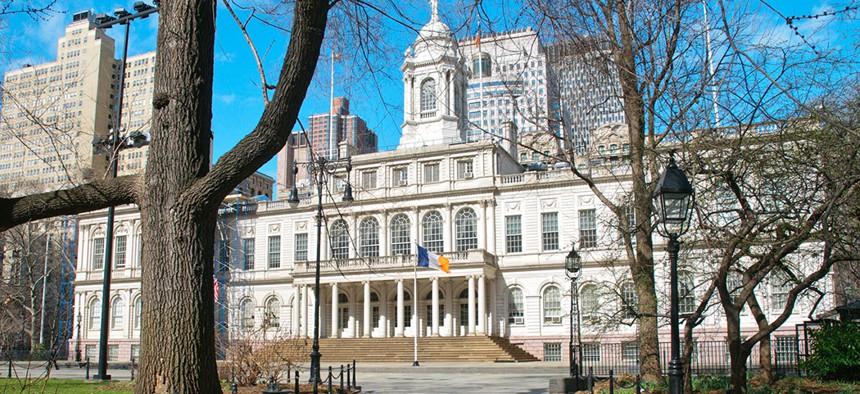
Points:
(482, 226)
(449, 308)
(401, 321)
(471, 319)
(448, 229)
(491, 224)
(435, 307)
(335, 312)
(305, 304)
(482, 306)
(366, 333)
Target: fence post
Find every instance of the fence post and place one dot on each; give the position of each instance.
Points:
(591, 380)
(88, 367)
(329, 379)
(638, 384)
(341, 378)
(348, 379)
(297, 381)
(132, 368)
(611, 383)
(354, 372)
(9, 372)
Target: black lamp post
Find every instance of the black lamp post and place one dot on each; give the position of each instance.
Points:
(322, 167)
(112, 145)
(573, 266)
(673, 201)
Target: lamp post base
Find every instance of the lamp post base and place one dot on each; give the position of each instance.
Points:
(101, 377)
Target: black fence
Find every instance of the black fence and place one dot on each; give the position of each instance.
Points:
(708, 358)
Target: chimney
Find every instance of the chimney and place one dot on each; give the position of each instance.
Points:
(509, 138)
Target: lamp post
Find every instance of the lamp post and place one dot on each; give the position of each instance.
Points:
(323, 167)
(673, 201)
(112, 145)
(573, 266)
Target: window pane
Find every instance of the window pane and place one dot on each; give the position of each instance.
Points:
(515, 307)
(275, 251)
(428, 95)
(628, 300)
(587, 228)
(369, 237)
(552, 305)
(248, 245)
(339, 240)
(400, 240)
(98, 253)
(513, 234)
(119, 251)
(466, 225)
(549, 230)
(301, 247)
(117, 310)
(273, 313)
(431, 172)
(552, 351)
(432, 230)
(368, 179)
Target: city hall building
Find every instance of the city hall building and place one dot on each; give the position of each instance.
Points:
(506, 231)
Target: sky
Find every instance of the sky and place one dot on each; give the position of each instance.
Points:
(375, 96)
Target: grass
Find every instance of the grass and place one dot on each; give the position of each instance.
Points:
(64, 386)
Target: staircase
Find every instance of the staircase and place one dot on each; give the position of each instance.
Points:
(477, 348)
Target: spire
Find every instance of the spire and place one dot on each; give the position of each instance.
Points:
(434, 10)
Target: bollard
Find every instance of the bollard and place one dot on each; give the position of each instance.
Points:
(353, 374)
(88, 367)
(611, 383)
(329, 379)
(348, 380)
(638, 384)
(9, 372)
(591, 380)
(341, 378)
(132, 368)
(297, 381)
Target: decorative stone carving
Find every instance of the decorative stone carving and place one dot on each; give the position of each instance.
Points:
(512, 206)
(274, 228)
(301, 225)
(548, 203)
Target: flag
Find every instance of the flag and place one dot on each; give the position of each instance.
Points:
(428, 259)
(478, 41)
(215, 287)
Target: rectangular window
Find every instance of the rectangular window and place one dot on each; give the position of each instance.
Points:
(274, 251)
(400, 176)
(587, 228)
(407, 314)
(344, 317)
(630, 210)
(464, 169)
(513, 234)
(90, 351)
(786, 350)
(139, 256)
(630, 351)
(368, 179)
(591, 352)
(552, 351)
(375, 313)
(135, 353)
(301, 253)
(119, 251)
(431, 172)
(113, 352)
(248, 249)
(98, 253)
(549, 230)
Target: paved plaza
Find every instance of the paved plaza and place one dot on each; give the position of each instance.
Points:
(436, 377)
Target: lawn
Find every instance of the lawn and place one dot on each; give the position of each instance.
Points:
(64, 386)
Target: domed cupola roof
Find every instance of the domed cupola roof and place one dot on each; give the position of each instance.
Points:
(435, 39)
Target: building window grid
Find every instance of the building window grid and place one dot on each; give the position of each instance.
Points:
(339, 240)
(786, 350)
(274, 251)
(516, 310)
(466, 225)
(431, 172)
(780, 287)
(465, 169)
(549, 231)
(630, 351)
(431, 228)
(248, 245)
(369, 237)
(628, 300)
(587, 228)
(591, 352)
(119, 251)
(117, 313)
(98, 253)
(247, 314)
(687, 297)
(95, 314)
(552, 305)
(273, 313)
(428, 95)
(552, 351)
(400, 241)
(513, 234)
(138, 308)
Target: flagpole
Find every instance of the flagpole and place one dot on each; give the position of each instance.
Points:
(415, 313)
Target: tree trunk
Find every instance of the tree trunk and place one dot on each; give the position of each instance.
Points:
(738, 380)
(764, 359)
(179, 229)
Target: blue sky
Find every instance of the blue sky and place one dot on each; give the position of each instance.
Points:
(376, 97)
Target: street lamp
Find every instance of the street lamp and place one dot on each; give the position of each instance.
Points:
(573, 266)
(323, 167)
(112, 145)
(673, 201)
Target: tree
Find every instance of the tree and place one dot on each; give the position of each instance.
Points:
(179, 194)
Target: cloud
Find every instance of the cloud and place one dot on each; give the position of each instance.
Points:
(226, 98)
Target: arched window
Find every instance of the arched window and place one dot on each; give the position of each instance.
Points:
(339, 239)
(629, 301)
(516, 311)
(400, 241)
(95, 313)
(589, 302)
(431, 228)
(466, 225)
(117, 312)
(552, 305)
(428, 95)
(247, 314)
(368, 232)
(273, 313)
(138, 309)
